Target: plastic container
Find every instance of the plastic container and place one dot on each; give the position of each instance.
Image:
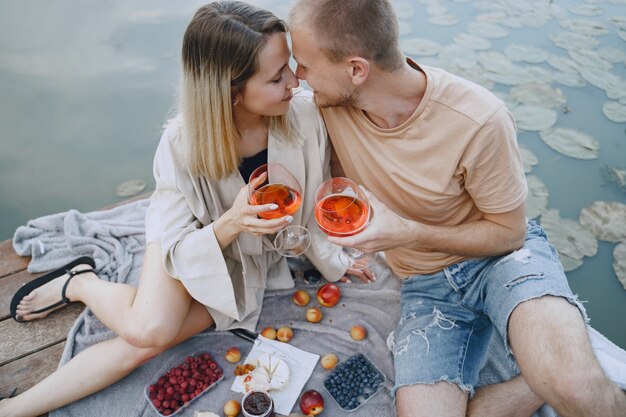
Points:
(194, 367)
(353, 382)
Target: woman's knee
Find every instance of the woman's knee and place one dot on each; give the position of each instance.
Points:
(149, 334)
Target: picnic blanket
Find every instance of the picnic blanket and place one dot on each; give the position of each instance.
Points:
(114, 238)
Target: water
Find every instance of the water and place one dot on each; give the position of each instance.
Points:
(85, 88)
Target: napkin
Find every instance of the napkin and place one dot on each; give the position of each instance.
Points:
(301, 364)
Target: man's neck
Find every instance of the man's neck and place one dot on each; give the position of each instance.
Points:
(391, 98)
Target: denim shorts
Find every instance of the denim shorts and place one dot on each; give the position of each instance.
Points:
(447, 318)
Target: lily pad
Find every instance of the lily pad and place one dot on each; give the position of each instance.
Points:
(572, 143)
(606, 220)
(585, 26)
(443, 20)
(574, 41)
(622, 34)
(487, 30)
(619, 263)
(526, 53)
(537, 199)
(563, 64)
(493, 17)
(436, 10)
(612, 55)
(616, 175)
(569, 80)
(130, 188)
(615, 111)
(456, 56)
(495, 62)
(420, 47)
(542, 95)
(534, 118)
(568, 236)
(618, 2)
(473, 42)
(569, 264)
(591, 59)
(404, 27)
(529, 158)
(404, 10)
(586, 10)
(619, 21)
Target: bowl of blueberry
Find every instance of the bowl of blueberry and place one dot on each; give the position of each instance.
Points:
(354, 381)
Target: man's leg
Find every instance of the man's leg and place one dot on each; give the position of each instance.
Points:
(441, 399)
(549, 340)
(512, 398)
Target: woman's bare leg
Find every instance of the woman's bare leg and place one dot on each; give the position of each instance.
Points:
(96, 368)
(148, 316)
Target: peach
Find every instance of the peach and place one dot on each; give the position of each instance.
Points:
(231, 408)
(301, 298)
(314, 315)
(311, 402)
(358, 332)
(284, 334)
(328, 295)
(329, 361)
(233, 354)
(269, 332)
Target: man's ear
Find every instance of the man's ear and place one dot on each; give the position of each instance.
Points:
(359, 70)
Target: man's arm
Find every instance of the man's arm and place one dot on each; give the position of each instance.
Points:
(494, 234)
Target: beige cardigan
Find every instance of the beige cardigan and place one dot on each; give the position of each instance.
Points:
(231, 282)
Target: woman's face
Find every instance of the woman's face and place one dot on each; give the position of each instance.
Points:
(268, 91)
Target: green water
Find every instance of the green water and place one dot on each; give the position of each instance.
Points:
(86, 86)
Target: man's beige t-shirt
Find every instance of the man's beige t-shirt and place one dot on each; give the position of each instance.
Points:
(454, 159)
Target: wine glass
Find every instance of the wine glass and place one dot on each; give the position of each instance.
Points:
(341, 210)
(273, 183)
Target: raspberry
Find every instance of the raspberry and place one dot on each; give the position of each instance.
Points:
(206, 356)
(173, 380)
(213, 365)
(156, 403)
(167, 412)
(199, 384)
(170, 391)
(165, 404)
(185, 397)
(184, 384)
(192, 382)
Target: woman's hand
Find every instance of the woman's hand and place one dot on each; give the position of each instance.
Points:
(242, 217)
(364, 274)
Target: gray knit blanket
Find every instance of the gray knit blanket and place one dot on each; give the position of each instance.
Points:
(115, 239)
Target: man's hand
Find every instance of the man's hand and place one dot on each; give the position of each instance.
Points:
(386, 229)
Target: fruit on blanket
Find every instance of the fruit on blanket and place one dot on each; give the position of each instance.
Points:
(314, 315)
(182, 383)
(311, 402)
(301, 298)
(233, 354)
(269, 332)
(358, 332)
(284, 334)
(232, 408)
(329, 361)
(328, 295)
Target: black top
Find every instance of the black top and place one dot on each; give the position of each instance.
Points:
(248, 165)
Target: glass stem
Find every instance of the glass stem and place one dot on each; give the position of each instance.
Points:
(291, 236)
(353, 253)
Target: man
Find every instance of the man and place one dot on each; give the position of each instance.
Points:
(439, 157)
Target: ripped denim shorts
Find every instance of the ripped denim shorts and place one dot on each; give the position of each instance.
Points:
(447, 318)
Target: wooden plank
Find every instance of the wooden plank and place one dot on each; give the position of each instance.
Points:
(21, 339)
(10, 262)
(26, 372)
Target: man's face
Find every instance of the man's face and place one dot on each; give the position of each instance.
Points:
(330, 82)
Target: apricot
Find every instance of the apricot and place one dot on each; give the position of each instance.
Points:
(301, 298)
(284, 334)
(358, 332)
(269, 332)
(314, 315)
(328, 295)
(233, 354)
(329, 361)
(232, 408)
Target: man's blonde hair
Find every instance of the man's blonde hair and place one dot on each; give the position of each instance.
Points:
(219, 54)
(343, 28)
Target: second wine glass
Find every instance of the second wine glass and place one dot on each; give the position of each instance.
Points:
(341, 210)
(272, 183)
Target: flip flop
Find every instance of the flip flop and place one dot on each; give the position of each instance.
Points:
(11, 395)
(44, 279)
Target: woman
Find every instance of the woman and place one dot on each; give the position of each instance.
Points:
(208, 259)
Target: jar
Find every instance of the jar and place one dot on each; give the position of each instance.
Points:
(257, 404)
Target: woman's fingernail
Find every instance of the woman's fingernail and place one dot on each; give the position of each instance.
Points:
(288, 219)
(348, 281)
(273, 206)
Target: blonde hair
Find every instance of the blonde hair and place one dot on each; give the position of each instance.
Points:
(220, 53)
(367, 28)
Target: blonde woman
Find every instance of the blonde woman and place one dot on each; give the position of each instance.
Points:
(208, 259)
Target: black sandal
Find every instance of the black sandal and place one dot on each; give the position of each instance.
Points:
(11, 395)
(44, 279)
